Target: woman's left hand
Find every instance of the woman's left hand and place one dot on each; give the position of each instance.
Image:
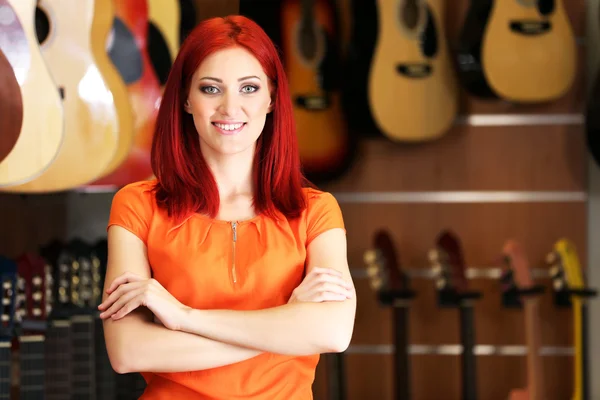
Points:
(129, 291)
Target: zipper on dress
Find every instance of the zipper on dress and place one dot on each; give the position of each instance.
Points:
(233, 272)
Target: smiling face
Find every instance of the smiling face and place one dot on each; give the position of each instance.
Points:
(229, 99)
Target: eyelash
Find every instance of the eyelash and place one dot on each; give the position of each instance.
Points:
(204, 89)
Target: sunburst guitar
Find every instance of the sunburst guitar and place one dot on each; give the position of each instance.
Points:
(129, 53)
(312, 60)
(36, 110)
(568, 279)
(413, 89)
(519, 285)
(63, 29)
(529, 52)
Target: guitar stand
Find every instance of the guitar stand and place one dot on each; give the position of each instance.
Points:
(562, 297)
(395, 298)
(453, 298)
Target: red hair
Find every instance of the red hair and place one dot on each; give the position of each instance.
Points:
(185, 183)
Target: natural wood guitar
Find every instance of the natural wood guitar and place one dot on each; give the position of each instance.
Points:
(91, 126)
(164, 19)
(11, 107)
(391, 285)
(518, 283)
(568, 280)
(413, 90)
(529, 52)
(312, 59)
(42, 127)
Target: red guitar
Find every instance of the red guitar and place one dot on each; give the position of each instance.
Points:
(11, 107)
(130, 55)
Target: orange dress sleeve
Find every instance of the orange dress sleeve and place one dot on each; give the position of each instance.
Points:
(323, 213)
(132, 209)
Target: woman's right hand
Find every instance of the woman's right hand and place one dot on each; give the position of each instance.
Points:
(322, 284)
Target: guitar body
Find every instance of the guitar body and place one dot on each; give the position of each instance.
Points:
(529, 52)
(130, 55)
(468, 52)
(103, 20)
(11, 107)
(42, 125)
(312, 59)
(413, 91)
(91, 127)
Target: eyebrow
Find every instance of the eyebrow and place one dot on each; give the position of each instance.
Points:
(210, 78)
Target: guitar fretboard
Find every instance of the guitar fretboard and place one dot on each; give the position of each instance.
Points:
(467, 333)
(5, 357)
(401, 363)
(83, 360)
(32, 367)
(58, 360)
(105, 375)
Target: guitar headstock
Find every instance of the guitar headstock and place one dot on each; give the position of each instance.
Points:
(8, 279)
(33, 285)
(448, 263)
(384, 270)
(516, 278)
(86, 276)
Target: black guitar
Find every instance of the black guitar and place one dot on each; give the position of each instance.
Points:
(448, 262)
(468, 50)
(8, 279)
(391, 285)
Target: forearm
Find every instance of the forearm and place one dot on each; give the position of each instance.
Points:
(292, 329)
(145, 346)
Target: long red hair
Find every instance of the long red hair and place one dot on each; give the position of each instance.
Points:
(185, 183)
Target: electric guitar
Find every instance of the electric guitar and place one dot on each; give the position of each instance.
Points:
(91, 127)
(519, 285)
(529, 52)
(569, 283)
(312, 60)
(391, 285)
(449, 266)
(42, 128)
(413, 90)
(8, 279)
(11, 107)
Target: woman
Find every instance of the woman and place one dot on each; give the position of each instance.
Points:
(240, 264)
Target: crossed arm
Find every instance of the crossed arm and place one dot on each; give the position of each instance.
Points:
(212, 338)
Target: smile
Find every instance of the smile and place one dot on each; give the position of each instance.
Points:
(229, 129)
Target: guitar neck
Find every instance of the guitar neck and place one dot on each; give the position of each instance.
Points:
(580, 316)
(5, 359)
(401, 357)
(58, 360)
(335, 376)
(534, 361)
(469, 367)
(32, 367)
(83, 360)
(307, 10)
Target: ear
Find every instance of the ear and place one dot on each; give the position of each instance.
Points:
(187, 107)
(271, 106)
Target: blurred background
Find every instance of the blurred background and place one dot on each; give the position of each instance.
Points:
(460, 138)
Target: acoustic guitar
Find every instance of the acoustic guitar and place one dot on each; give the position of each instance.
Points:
(164, 18)
(391, 286)
(11, 107)
(592, 115)
(569, 283)
(413, 90)
(518, 284)
(449, 266)
(310, 43)
(129, 53)
(91, 126)
(42, 126)
(468, 52)
(540, 60)
(104, 14)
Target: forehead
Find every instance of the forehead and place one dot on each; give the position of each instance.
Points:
(230, 64)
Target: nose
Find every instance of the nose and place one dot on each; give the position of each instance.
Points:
(230, 105)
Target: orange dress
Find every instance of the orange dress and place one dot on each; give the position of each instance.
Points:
(214, 264)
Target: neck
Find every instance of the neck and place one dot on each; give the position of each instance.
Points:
(534, 362)
(233, 173)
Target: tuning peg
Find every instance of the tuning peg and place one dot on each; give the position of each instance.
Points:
(37, 280)
(551, 257)
(37, 312)
(433, 255)
(370, 256)
(7, 285)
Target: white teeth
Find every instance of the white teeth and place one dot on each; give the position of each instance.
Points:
(228, 127)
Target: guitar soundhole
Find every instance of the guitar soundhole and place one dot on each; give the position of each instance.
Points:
(409, 14)
(530, 28)
(42, 25)
(414, 71)
(160, 56)
(61, 92)
(125, 54)
(429, 38)
(308, 40)
(546, 7)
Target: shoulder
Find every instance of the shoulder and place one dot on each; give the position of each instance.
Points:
(322, 213)
(133, 207)
(317, 199)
